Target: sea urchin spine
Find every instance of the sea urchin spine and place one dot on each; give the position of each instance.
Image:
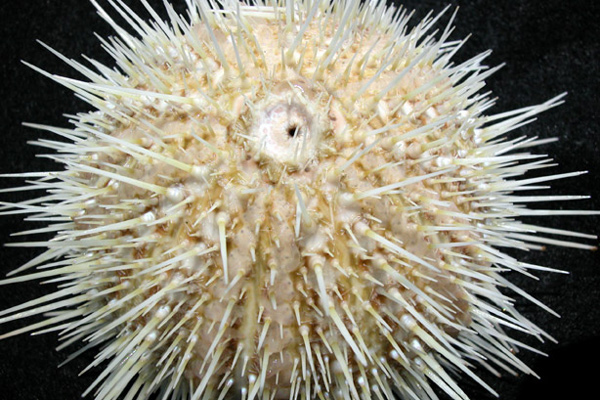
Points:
(285, 200)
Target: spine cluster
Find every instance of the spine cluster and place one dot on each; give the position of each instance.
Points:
(285, 200)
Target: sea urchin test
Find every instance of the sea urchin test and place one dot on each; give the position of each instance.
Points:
(285, 200)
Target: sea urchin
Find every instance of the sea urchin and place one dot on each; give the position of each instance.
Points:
(285, 200)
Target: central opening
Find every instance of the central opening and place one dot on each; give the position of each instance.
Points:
(292, 130)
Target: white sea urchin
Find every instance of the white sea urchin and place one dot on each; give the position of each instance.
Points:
(289, 200)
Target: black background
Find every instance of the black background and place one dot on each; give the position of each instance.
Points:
(550, 46)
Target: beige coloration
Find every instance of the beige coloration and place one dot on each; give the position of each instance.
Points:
(293, 200)
(290, 187)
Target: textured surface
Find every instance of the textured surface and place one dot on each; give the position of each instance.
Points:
(522, 82)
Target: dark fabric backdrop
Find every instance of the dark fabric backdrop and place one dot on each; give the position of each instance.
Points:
(550, 46)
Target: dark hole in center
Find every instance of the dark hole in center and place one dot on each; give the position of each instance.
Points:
(292, 130)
